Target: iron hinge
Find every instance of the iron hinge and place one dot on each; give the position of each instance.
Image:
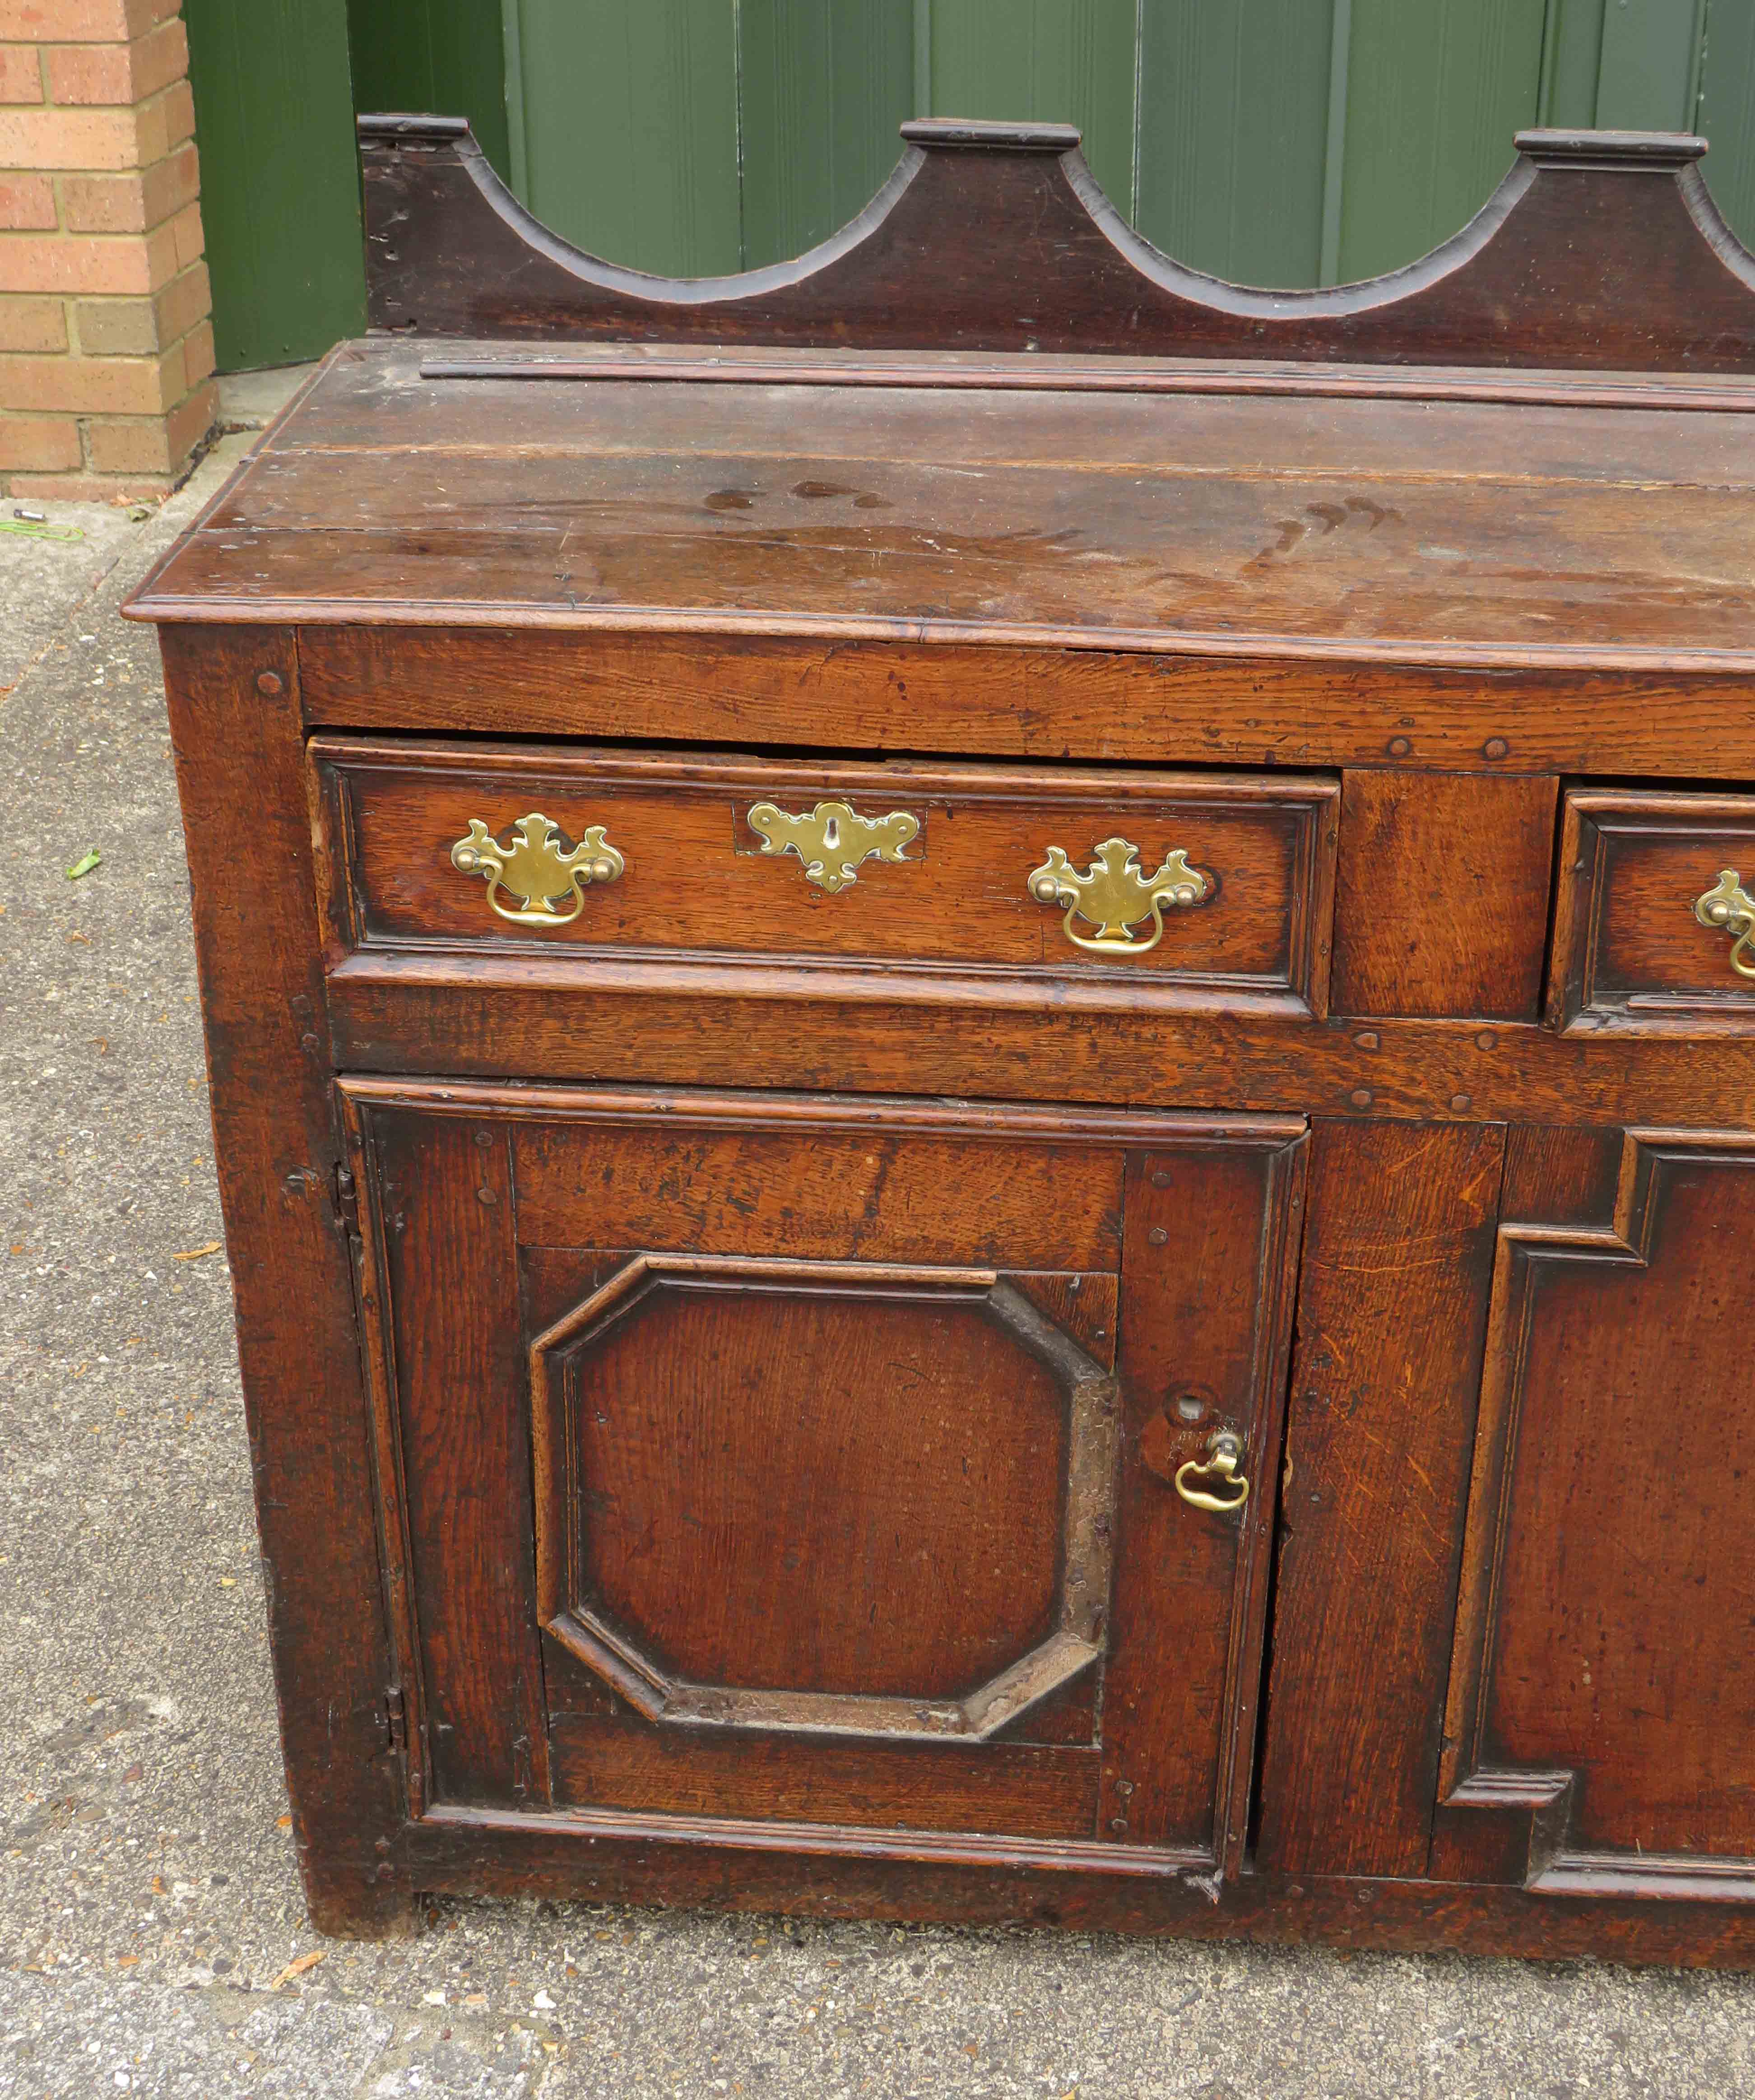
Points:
(396, 1713)
(347, 1202)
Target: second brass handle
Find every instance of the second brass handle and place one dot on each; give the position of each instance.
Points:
(1729, 908)
(1114, 893)
(535, 869)
(1214, 1483)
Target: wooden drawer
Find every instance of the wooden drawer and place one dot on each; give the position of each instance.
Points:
(1635, 944)
(727, 857)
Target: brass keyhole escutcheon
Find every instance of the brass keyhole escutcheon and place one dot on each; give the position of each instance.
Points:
(1728, 908)
(1214, 1483)
(833, 840)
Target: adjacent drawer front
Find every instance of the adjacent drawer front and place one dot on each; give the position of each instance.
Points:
(1217, 882)
(1656, 897)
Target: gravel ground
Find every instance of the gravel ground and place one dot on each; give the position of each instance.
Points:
(153, 1938)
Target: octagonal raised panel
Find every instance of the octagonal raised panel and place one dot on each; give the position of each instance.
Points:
(828, 1496)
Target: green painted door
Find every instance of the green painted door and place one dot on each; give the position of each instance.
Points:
(274, 119)
(1274, 142)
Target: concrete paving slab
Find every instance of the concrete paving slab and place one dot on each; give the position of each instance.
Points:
(152, 1931)
(251, 400)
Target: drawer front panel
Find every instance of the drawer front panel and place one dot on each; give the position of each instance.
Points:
(1656, 892)
(1228, 886)
(940, 1510)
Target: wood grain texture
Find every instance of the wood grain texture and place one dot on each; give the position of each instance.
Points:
(1080, 706)
(696, 877)
(758, 1191)
(1392, 1311)
(238, 759)
(776, 1488)
(1023, 1789)
(1629, 952)
(1442, 907)
(1604, 1640)
(443, 1201)
(819, 1490)
(808, 1472)
(1210, 1249)
(1598, 249)
(1452, 531)
(979, 1037)
(611, 1858)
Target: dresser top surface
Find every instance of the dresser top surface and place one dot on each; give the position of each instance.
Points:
(1433, 516)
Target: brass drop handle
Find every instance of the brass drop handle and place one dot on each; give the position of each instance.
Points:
(536, 870)
(1730, 908)
(1114, 895)
(1220, 1470)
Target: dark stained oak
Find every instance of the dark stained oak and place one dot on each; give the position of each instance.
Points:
(830, 1490)
(688, 1023)
(1446, 532)
(1604, 1655)
(1599, 249)
(1392, 1310)
(442, 1202)
(1629, 951)
(1081, 705)
(268, 1061)
(719, 1372)
(614, 1858)
(697, 879)
(1443, 898)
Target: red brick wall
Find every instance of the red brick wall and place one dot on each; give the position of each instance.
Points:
(106, 344)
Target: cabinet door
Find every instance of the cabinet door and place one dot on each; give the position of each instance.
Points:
(773, 1459)
(1602, 1711)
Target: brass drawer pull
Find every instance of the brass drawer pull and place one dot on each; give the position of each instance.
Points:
(536, 870)
(1730, 908)
(833, 839)
(1113, 895)
(1221, 1468)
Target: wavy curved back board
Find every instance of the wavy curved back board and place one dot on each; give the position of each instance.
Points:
(1600, 251)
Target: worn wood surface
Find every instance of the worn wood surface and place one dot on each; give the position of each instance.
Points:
(1451, 531)
(715, 1023)
(1443, 905)
(839, 1486)
(1392, 1308)
(1048, 704)
(1629, 952)
(643, 1360)
(1210, 1251)
(697, 877)
(825, 1488)
(1599, 249)
(1024, 1790)
(1603, 1649)
(234, 720)
(442, 1200)
(615, 1858)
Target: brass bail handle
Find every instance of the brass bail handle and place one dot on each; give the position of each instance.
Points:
(1728, 908)
(1196, 1479)
(535, 869)
(1114, 893)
